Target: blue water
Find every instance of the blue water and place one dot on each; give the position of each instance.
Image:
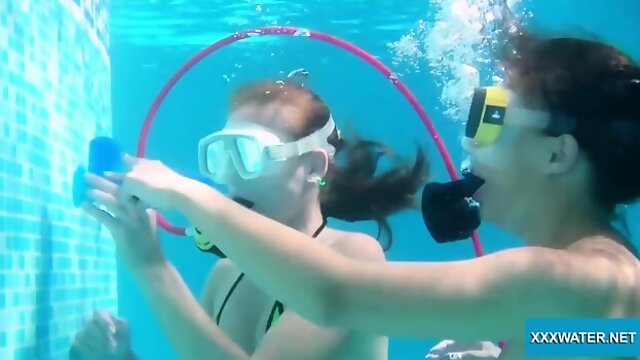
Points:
(56, 266)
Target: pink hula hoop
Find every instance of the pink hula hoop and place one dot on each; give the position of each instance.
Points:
(293, 31)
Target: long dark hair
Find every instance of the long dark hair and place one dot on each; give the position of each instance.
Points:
(353, 190)
(592, 83)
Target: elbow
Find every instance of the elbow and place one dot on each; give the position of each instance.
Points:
(336, 307)
(329, 305)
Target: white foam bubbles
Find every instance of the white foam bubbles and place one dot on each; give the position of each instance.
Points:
(456, 48)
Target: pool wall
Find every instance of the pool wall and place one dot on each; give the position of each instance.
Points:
(55, 95)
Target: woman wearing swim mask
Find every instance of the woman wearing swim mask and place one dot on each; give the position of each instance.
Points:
(275, 153)
(566, 156)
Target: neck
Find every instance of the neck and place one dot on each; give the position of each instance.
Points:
(306, 217)
(561, 225)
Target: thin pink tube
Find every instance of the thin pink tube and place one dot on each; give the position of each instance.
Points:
(292, 31)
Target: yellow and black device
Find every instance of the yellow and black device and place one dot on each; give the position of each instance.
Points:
(205, 245)
(486, 114)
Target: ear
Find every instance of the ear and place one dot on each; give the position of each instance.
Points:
(563, 155)
(319, 164)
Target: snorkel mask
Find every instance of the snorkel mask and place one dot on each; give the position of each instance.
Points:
(448, 209)
(254, 149)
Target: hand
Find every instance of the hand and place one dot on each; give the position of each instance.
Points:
(104, 337)
(151, 182)
(449, 349)
(131, 224)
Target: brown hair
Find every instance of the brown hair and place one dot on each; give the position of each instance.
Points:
(353, 190)
(595, 86)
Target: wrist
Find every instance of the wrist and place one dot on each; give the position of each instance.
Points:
(193, 198)
(151, 269)
(184, 193)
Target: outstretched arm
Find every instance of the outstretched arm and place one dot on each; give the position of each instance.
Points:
(489, 297)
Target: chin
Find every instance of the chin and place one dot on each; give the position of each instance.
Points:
(491, 213)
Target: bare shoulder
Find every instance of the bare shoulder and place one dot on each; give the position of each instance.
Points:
(356, 245)
(609, 249)
(624, 268)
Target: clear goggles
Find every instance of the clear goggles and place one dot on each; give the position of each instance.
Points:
(253, 149)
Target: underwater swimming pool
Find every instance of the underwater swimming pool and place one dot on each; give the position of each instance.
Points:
(71, 70)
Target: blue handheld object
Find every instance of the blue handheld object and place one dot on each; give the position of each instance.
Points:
(104, 155)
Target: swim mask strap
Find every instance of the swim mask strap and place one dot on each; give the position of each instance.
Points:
(318, 140)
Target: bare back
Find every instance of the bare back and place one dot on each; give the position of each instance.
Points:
(626, 306)
(249, 316)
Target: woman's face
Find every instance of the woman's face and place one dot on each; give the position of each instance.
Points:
(519, 167)
(283, 182)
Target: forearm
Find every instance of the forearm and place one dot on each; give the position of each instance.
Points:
(189, 329)
(268, 251)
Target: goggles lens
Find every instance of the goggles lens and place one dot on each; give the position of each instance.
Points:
(245, 153)
(215, 153)
(250, 155)
(486, 114)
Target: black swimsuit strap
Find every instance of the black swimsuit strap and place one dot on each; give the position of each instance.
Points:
(278, 305)
(224, 303)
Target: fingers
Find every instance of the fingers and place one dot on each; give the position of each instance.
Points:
(122, 330)
(106, 319)
(114, 177)
(83, 345)
(102, 216)
(98, 334)
(102, 184)
(129, 160)
(109, 201)
(93, 339)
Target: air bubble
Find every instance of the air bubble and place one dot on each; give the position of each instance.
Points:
(455, 47)
(302, 32)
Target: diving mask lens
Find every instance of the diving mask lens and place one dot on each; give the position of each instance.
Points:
(250, 155)
(216, 152)
(244, 152)
(486, 114)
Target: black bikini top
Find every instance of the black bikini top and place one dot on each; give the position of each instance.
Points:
(278, 307)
